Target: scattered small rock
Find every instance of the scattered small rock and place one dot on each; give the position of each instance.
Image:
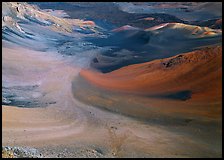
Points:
(113, 127)
(20, 152)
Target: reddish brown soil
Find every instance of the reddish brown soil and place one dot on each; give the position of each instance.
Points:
(199, 71)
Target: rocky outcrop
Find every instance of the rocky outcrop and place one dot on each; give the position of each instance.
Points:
(205, 54)
(20, 152)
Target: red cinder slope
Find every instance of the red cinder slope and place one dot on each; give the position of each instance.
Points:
(199, 71)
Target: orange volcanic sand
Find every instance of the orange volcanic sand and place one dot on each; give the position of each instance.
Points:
(91, 23)
(199, 71)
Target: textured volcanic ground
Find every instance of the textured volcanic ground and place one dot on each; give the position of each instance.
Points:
(157, 42)
(189, 11)
(190, 71)
(112, 79)
(182, 92)
(102, 11)
(192, 79)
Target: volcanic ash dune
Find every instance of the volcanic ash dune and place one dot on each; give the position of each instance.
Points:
(194, 78)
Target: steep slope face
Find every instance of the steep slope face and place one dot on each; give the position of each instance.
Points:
(19, 18)
(30, 27)
(198, 72)
(23, 11)
(15, 11)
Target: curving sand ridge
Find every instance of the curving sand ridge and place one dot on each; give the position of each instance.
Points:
(198, 71)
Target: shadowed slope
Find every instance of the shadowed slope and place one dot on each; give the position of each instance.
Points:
(130, 46)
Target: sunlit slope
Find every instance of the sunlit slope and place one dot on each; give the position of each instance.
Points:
(199, 72)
